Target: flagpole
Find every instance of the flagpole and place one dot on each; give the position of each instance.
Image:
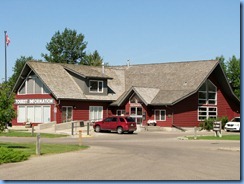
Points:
(5, 32)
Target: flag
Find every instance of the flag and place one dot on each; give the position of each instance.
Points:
(7, 40)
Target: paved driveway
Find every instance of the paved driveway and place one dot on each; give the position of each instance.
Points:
(142, 156)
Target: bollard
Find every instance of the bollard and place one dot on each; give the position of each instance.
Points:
(88, 127)
(80, 137)
(32, 130)
(38, 144)
(195, 133)
(72, 128)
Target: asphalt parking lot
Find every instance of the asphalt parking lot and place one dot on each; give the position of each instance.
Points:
(141, 156)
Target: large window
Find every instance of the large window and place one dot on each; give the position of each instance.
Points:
(33, 85)
(207, 94)
(34, 114)
(67, 113)
(95, 113)
(95, 86)
(206, 112)
(160, 115)
(120, 112)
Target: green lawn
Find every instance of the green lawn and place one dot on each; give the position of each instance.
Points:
(25, 133)
(224, 137)
(16, 152)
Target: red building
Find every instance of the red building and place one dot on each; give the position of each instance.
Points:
(172, 94)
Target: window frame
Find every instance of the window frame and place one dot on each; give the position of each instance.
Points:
(98, 86)
(207, 112)
(207, 92)
(160, 115)
(95, 109)
(24, 113)
(24, 86)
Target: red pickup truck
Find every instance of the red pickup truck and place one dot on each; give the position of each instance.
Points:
(120, 124)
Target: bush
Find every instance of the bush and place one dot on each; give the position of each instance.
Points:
(224, 120)
(8, 155)
(207, 124)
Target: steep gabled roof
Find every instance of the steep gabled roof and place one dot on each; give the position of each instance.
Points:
(62, 85)
(173, 81)
(154, 84)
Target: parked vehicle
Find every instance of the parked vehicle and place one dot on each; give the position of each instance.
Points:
(233, 125)
(120, 124)
(152, 122)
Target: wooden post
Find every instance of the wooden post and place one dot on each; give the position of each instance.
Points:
(32, 130)
(38, 144)
(80, 137)
(195, 133)
(88, 128)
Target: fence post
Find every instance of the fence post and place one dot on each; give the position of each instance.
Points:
(88, 128)
(72, 128)
(80, 137)
(195, 132)
(38, 144)
(32, 130)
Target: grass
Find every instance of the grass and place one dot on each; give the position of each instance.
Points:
(25, 133)
(224, 137)
(16, 152)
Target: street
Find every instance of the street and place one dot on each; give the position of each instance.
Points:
(142, 156)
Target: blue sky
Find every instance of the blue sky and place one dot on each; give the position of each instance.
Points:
(143, 31)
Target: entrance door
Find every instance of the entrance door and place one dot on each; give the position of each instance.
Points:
(46, 114)
(67, 114)
(136, 113)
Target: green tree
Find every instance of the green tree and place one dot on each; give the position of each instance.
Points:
(93, 59)
(66, 47)
(7, 112)
(232, 69)
(234, 74)
(221, 60)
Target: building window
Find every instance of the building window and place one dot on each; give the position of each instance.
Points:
(160, 115)
(95, 86)
(67, 113)
(207, 94)
(206, 112)
(95, 113)
(120, 112)
(33, 85)
(34, 114)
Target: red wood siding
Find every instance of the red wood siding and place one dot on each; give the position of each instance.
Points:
(186, 112)
(81, 109)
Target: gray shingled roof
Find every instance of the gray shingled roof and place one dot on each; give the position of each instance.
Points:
(174, 81)
(57, 79)
(63, 86)
(155, 84)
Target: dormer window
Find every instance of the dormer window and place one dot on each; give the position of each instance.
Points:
(96, 86)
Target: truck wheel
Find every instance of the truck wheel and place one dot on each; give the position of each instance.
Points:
(97, 128)
(119, 130)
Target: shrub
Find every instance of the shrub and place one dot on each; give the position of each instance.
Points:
(224, 120)
(207, 124)
(8, 155)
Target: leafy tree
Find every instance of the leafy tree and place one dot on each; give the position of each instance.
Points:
(66, 47)
(234, 74)
(93, 59)
(7, 112)
(232, 69)
(221, 60)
